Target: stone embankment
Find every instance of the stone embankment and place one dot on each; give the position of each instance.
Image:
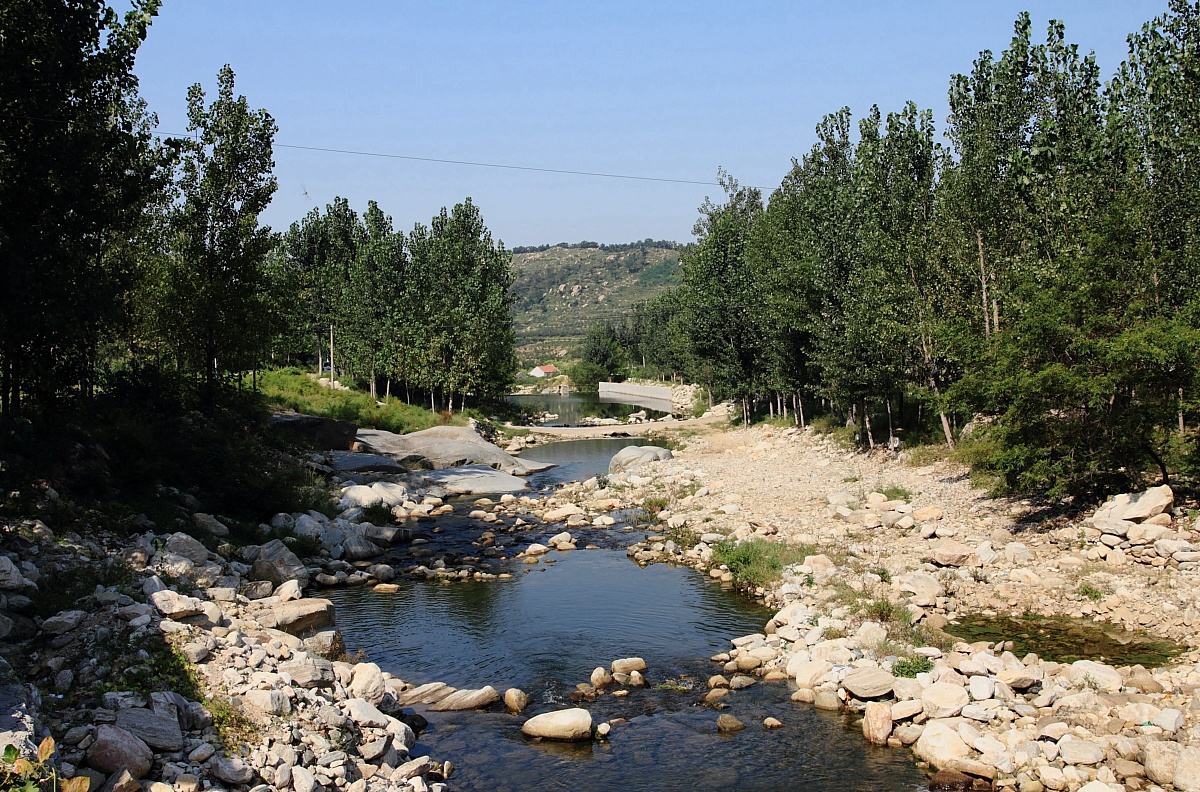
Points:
(886, 557)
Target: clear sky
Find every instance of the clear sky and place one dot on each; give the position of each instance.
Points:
(648, 88)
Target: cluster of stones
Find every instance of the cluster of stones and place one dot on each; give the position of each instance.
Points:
(980, 713)
(1139, 528)
(251, 638)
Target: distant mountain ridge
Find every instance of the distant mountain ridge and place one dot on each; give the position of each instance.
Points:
(561, 289)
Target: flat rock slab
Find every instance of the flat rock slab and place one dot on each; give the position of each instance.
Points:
(475, 480)
(358, 462)
(447, 447)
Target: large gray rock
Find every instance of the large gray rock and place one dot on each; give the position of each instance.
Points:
(63, 622)
(568, 724)
(356, 547)
(944, 700)
(189, 547)
(447, 447)
(359, 462)
(1137, 507)
(115, 749)
(210, 524)
(174, 605)
(11, 578)
(157, 728)
(869, 683)
(367, 683)
(939, 744)
(278, 564)
(631, 457)
(312, 672)
(298, 616)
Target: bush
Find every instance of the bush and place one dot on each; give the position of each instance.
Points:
(887, 612)
(911, 666)
(757, 561)
(896, 492)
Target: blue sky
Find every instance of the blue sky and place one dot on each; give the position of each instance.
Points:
(658, 89)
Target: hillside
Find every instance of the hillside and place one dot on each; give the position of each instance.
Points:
(561, 290)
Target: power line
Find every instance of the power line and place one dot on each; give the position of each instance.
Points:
(473, 163)
(443, 161)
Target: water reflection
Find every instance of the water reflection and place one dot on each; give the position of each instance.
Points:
(572, 408)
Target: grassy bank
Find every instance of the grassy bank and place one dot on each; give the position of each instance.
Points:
(295, 389)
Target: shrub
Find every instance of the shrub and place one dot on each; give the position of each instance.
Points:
(757, 561)
(886, 611)
(911, 666)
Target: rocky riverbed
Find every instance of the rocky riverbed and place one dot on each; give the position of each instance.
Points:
(887, 558)
(188, 664)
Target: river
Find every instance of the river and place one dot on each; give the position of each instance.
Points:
(552, 623)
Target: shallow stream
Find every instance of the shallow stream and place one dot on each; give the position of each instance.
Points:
(552, 623)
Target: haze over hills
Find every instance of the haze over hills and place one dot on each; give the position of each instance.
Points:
(561, 289)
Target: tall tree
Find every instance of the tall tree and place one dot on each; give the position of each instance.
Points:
(78, 175)
(212, 301)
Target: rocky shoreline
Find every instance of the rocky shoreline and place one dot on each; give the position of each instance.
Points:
(862, 610)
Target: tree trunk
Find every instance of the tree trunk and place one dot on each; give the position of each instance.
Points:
(374, 390)
(1181, 411)
(320, 358)
(800, 411)
(332, 370)
(983, 283)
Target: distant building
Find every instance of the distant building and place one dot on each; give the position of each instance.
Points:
(548, 370)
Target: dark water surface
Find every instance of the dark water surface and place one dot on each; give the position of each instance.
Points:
(549, 626)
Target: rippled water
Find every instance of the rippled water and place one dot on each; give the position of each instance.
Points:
(549, 626)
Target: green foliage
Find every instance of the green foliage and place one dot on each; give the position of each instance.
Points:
(909, 667)
(602, 358)
(207, 300)
(37, 774)
(1094, 593)
(757, 561)
(82, 176)
(429, 310)
(881, 573)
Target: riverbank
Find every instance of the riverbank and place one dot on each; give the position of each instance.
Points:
(888, 556)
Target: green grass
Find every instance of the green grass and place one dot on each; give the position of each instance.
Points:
(1091, 592)
(896, 492)
(757, 561)
(927, 454)
(294, 389)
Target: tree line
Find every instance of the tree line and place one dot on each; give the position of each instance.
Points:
(125, 250)
(1030, 282)
(428, 310)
